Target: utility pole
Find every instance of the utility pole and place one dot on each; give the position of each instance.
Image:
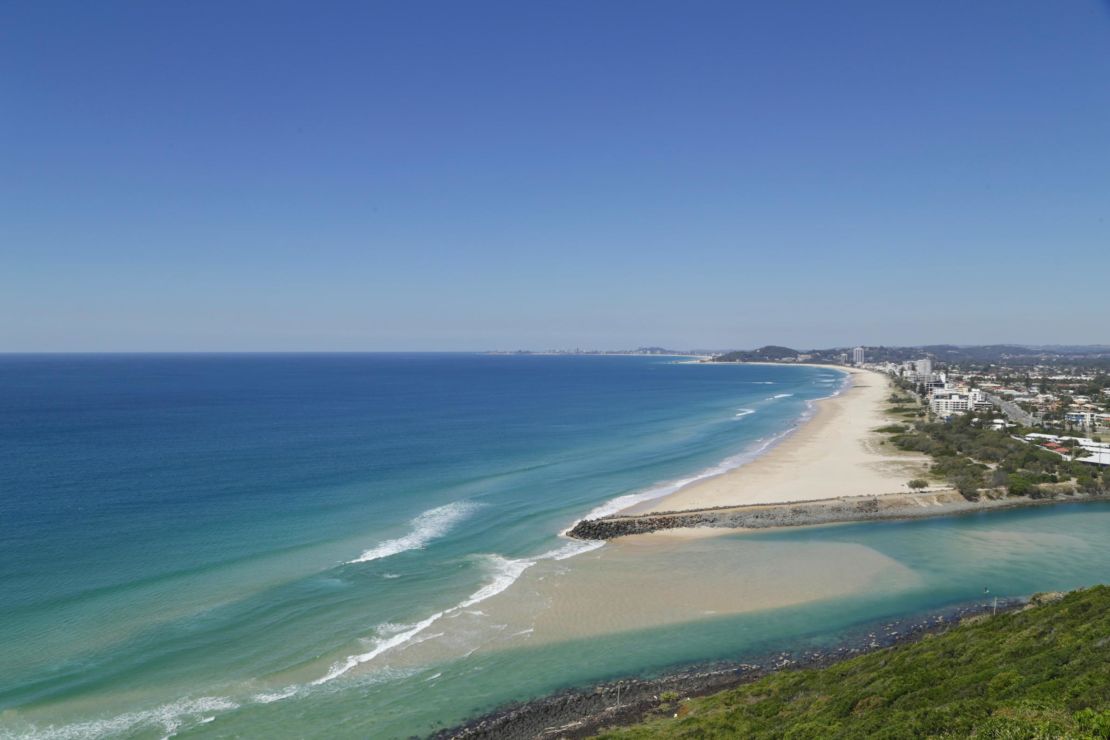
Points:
(994, 609)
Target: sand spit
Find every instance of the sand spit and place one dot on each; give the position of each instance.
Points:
(836, 453)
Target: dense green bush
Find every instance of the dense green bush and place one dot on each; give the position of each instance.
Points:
(1017, 485)
(971, 458)
(1039, 673)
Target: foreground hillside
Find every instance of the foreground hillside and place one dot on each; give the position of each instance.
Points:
(1039, 673)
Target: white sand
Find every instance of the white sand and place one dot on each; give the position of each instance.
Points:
(687, 575)
(836, 453)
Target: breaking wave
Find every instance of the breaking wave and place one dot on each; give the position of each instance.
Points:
(505, 572)
(169, 718)
(426, 527)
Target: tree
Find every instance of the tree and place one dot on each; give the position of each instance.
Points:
(1087, 482)
(1018, 485)
(1000, 477)
(968, 487)
(918, 483)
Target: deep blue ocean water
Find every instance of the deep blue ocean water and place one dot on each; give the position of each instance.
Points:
(213, 545)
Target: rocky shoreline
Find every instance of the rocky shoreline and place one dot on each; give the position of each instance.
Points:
(581, 713)
(819, 511)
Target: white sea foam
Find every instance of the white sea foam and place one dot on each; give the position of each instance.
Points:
(169, 717)
(505, 572)
(425, 637)
(271, 697)
(845, 383)
(780, 395)
(428, 526)
(380, 646)
(385, 629)
(572, 548)
(614, 505)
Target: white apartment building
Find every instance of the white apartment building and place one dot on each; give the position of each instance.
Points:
(948, 402)
(857, 356)
(1088, 419)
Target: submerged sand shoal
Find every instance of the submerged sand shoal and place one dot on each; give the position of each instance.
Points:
(649, 580)
(653, 580)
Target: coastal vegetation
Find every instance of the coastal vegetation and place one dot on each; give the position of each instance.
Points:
(971, 457)
(770, 353)
(1042, 672)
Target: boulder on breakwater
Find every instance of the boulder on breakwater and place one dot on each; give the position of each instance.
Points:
(819, 511)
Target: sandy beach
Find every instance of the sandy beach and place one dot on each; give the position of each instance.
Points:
(705, 572)
(835, 453)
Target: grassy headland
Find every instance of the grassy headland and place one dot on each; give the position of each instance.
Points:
(1043, 672)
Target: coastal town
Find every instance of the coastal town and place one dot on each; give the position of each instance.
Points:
(1056, 398)
(1069, 405)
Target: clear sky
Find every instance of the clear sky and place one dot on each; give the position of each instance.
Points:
(402, 175)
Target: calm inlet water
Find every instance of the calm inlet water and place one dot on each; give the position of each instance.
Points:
(249, 545)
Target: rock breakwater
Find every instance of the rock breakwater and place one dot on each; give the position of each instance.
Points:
(818, 511)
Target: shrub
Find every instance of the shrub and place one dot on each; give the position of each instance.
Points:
(1018, 485)
(1037, 673)
(918, 483)
(893, 429)
(968, 487)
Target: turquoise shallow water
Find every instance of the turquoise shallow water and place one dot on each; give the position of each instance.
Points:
(198, 545)
(188, 537)
(949, 562)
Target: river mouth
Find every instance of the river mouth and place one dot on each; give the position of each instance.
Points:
(583, 712)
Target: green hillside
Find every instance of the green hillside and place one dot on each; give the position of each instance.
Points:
(1039, 673)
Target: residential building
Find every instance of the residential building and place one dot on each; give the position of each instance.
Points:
(1096, 453)
(949, 402)
(1087, 419)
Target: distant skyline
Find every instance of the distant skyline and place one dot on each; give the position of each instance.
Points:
(282, 176)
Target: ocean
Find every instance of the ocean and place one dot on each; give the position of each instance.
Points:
(313, 545)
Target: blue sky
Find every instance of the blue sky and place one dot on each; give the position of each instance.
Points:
(471, 175)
